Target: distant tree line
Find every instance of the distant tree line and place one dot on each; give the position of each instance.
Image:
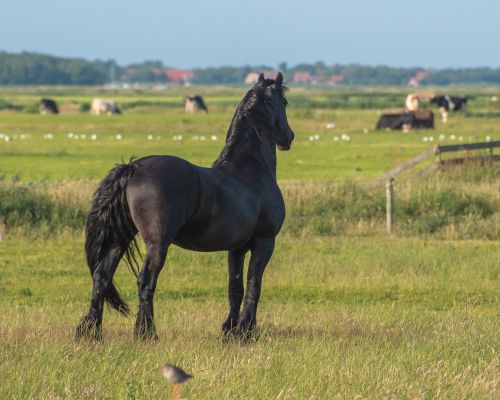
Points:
(41, 69)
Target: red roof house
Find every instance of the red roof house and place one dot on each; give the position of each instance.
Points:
(178, 75)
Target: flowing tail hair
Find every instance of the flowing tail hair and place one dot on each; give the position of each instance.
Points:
(109, 224)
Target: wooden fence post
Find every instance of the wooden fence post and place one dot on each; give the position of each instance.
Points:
(389, 193)
(437, 152)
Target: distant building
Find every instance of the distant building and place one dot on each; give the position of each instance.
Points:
(178, 75)
(253, 77)
(305, 77)
(334, 79)
(417, 78)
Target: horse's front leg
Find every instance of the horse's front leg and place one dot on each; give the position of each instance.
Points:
(262, 250)
(235, 260)
(146, 283)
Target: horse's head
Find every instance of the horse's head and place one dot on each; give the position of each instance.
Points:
(265, 107)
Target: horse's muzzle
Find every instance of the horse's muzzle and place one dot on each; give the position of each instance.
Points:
(284, 146)
(287, 142)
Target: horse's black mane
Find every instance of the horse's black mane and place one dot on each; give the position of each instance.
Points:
(254, 97)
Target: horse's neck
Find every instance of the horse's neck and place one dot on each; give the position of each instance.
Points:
(244, 147)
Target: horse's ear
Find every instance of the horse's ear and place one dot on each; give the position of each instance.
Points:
(279, 80)
(261, 78)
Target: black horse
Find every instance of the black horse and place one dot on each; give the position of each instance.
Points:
(235, 206)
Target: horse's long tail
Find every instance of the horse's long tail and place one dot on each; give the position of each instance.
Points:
(109, 224)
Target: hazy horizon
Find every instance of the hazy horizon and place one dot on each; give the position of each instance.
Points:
(448, 34)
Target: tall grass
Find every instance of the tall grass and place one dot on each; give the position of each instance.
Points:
(30, 207)
(448, 205)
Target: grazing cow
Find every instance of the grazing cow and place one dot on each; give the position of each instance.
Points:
(48, 106)
(412, 102)
(195, 104)
(423, 119)
(449, 103)
(104, 106)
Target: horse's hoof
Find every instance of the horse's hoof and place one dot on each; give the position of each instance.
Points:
(89, 328)
(246, 331)
(229, 327)
(147, 338)
(246, 326)
(146, 335)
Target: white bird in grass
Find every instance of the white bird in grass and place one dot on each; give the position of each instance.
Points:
(119, 136)
(345, 137)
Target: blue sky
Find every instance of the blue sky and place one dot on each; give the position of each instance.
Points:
(183, 33)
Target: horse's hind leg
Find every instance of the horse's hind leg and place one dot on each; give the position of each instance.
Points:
(146, 283)
(236, 259)
(90, 326)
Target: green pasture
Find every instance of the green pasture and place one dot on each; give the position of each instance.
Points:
(339, 318)
(347, 310)
(368, 153)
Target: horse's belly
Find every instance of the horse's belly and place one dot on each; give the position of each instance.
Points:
(216, 234)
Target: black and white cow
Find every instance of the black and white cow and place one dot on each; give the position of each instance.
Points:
(48, 106)
(195, 104)
(449, 103)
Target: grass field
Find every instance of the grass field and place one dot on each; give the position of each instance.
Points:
(346, 312)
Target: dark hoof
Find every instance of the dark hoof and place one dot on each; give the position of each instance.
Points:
(246, 326)
(146, 337)
(246, 330)
(146, 334)
(230, 327)
(89, 328)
